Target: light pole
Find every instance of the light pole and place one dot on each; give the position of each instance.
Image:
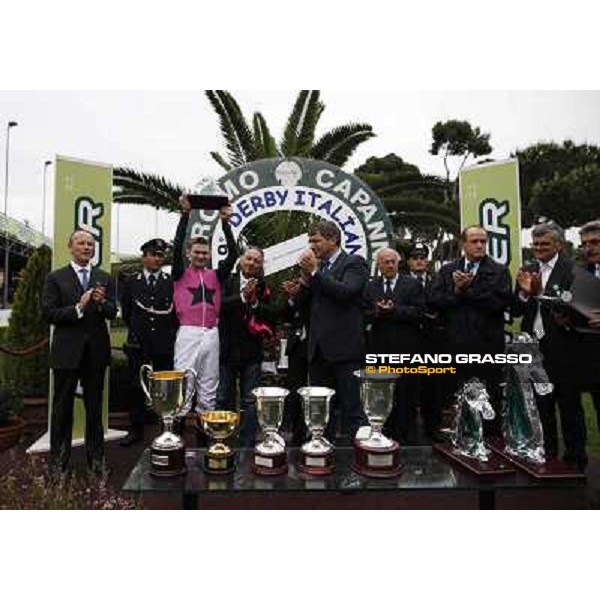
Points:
(46, 165)
(10, 125)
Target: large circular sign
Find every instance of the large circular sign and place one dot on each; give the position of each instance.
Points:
(298, 184)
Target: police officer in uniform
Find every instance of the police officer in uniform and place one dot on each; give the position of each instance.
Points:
(428, 390)
(147, 309)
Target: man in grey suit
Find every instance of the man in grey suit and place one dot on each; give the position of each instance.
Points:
(77, 300)
(332, 286)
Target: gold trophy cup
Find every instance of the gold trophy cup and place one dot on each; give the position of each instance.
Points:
(219, 425)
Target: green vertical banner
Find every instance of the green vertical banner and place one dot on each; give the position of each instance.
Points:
(489, 196)
(82, 199)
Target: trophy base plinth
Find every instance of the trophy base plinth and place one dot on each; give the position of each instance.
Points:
(316, 464)
(219, 464)
(270, 464)
(493, 467)
(167, 463)
(550, 470)
(379, 463)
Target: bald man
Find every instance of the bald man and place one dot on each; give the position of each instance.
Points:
(77, 300)
(471, 295)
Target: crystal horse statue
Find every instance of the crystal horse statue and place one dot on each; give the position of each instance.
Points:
(521, 426)
(473, 404)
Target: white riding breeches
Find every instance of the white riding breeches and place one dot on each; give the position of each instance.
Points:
(198, 348)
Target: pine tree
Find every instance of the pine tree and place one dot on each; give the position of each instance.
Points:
(27, 327)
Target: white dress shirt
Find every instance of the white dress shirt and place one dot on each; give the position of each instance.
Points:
(243, 283)
(393, 281)
(78, 270)
(545, 272)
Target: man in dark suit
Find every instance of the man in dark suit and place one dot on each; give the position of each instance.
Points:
(550, 274)
(243, 327)
(147, 309)
(77, 300)
(472, 294)
(590, 243)
(394, 306)
(332, 285)
(296, 320)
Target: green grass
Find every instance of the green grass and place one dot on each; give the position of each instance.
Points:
(117, 337)
(593, 435)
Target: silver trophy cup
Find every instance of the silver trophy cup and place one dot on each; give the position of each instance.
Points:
(270, 455)
(317, 455)
(375, 455)
(377, 396)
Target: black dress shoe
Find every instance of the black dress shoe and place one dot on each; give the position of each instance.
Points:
(133, 437)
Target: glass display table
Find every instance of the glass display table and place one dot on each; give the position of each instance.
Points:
(424, 471)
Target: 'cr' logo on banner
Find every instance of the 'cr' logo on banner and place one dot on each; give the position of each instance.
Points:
(491, 215)
(87, 215)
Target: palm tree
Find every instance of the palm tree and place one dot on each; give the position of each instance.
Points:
(245, 144)
(133, 187)
(415, 202)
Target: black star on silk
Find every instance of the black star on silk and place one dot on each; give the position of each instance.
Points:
(202, 294)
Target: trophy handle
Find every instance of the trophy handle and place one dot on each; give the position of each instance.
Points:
(145, 369)
(191, 377)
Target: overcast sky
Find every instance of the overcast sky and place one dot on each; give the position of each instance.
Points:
(171, 133)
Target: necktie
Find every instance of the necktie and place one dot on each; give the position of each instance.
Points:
(152, 281)
(469, 266)
(421, 279)
(538, 323)
(325, 266)
(388, 286)
(84, 279)
(545, 271)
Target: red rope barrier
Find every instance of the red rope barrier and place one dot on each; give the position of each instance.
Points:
(25, 351)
